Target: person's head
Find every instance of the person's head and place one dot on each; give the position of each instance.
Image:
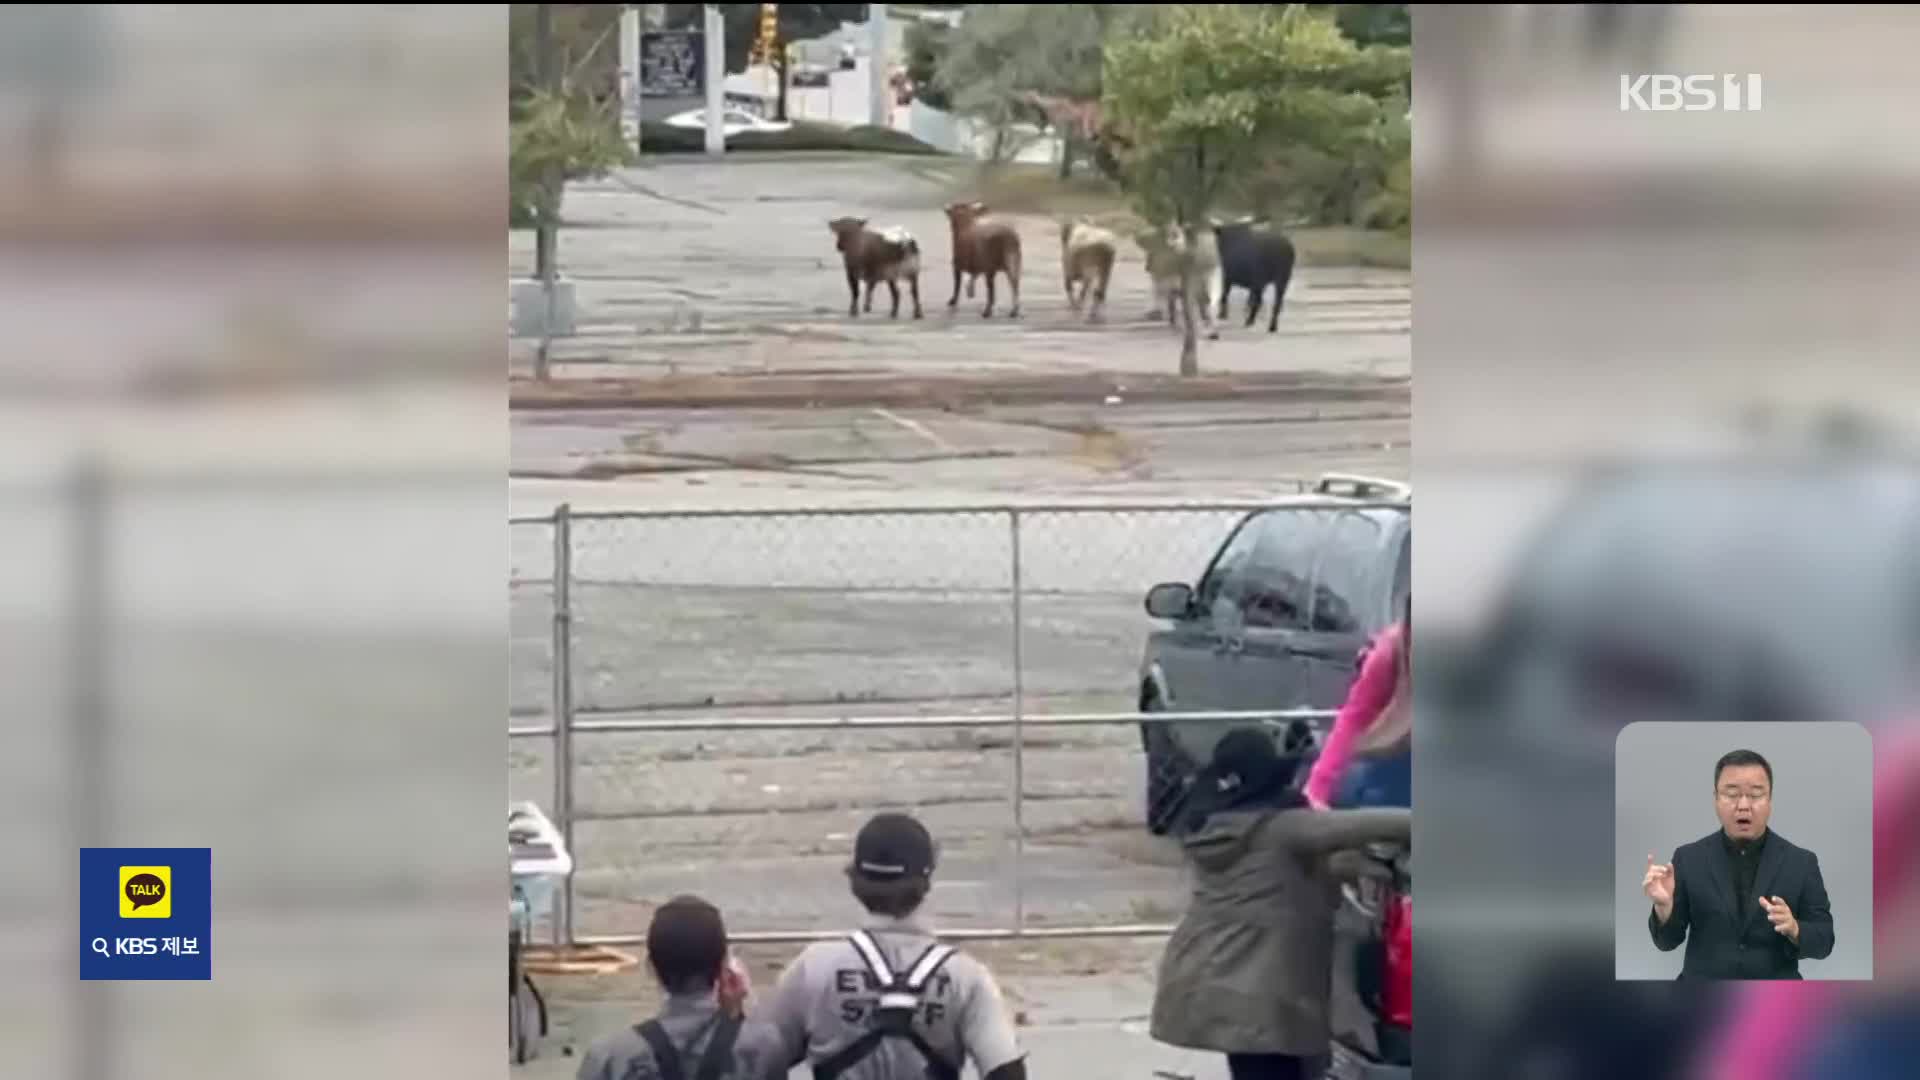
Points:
(892, 868)
(687, 945)
(1743, 793)
(1247, 771)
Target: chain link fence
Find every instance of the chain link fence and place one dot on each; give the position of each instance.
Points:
(746, 687)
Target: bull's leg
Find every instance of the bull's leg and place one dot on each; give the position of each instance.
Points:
(1279, 296)
(1013, 282)
(974, 279)
(893, 287)
(1073, 299)
(853, 287)
(956, 287)
(1255, 296)
(913, 283)
(1226, 295)
(871, 286)
(988, 313)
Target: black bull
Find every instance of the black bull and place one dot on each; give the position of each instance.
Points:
(1253, 259)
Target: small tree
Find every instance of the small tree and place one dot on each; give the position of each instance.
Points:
(1200, 93)
(1005, 58)
(562, 125)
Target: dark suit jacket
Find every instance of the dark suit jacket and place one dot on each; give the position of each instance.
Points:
(1730, 937)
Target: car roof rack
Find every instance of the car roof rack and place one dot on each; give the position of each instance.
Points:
(1363, 487)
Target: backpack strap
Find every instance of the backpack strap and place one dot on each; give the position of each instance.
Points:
(899, 1000)
(664, 1054)
(718, 1060)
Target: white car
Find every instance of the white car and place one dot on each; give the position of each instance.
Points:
(732, 121)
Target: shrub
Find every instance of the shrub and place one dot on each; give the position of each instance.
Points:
(658, 138)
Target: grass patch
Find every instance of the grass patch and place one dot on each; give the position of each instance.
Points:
(1348, 245)
(1020, 188)
(658, 138)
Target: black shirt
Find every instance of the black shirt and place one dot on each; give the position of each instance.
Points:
(1745, 856)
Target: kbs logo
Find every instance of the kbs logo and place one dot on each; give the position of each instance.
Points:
(1690, 93)
(145, 892)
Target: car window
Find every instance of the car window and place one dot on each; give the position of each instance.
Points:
(1271, 589)
(1229, 562)
(1344, 581)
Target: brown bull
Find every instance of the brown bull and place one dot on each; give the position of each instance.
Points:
(871, 257)
(983, 248)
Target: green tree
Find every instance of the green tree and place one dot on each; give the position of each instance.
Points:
(926, 47)
(1201, 94)
(1005, 57)
(563, 124)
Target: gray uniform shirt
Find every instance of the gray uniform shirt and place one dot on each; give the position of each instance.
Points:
(822, 1002)
(689, 1021)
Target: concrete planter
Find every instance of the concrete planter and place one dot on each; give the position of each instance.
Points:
(527, 303)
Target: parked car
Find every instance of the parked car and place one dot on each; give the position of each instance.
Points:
(732, 121)
(1277, 621)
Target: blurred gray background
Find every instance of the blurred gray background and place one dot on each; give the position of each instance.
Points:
(1602, 286)
(1823, 801)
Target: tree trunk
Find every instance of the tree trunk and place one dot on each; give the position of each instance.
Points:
(1189, 337)
(780, 65)
(546, 204)
(1066, 156)
(552, 187)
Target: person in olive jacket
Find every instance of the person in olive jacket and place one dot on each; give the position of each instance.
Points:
(1249, 971)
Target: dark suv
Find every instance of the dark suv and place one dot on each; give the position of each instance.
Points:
(1277, 621)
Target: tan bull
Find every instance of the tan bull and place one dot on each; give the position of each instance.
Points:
(1087, 253)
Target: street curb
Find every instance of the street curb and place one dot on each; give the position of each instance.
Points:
(739, 392)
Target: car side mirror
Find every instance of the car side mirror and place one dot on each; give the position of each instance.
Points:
(1170, 601)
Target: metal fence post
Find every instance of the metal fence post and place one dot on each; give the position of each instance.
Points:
(563, 710)
(1019, 741)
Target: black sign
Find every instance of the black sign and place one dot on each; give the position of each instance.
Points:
(672, 63)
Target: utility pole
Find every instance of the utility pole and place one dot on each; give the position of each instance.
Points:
(716, 65)
(630, 75)
(880, 97)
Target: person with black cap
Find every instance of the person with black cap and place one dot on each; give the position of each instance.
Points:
(890, 1001)
(1248, 972)
(700, 1033)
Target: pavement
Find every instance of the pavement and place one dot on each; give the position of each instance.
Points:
(688, 268)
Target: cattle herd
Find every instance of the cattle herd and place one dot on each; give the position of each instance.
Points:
(1226, 256)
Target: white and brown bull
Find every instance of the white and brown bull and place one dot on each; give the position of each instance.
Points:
(874, 256)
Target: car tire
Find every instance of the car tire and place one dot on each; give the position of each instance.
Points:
(1169, 773)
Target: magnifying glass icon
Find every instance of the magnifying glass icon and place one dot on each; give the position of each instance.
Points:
(100, 946)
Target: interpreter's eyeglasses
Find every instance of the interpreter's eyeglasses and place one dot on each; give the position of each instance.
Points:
(1732, 798)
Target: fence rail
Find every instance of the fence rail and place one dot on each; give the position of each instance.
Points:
(739, 688)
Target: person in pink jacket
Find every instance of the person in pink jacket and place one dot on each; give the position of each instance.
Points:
(1377, 714)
